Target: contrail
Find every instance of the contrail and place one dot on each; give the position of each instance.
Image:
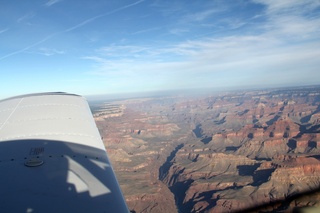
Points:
(52, 2)
(102, 15)
(28, 47)
(4, 30)
(71, 28)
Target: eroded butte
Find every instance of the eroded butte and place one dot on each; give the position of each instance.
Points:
(226, 152)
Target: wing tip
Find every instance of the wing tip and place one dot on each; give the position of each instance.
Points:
(40, 94)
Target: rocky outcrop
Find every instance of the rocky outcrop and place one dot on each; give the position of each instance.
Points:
(221, 153)
(159, 202)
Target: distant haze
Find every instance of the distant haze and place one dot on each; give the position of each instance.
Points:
(196, 92)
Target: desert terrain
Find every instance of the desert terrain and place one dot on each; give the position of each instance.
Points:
(256, 150)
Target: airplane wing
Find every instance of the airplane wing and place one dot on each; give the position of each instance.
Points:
(52, 158)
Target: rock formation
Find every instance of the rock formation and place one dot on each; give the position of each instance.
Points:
(228, 152)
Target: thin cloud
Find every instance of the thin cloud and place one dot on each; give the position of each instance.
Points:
(125, 51)
(146, 30)
(288, 19)
(26, 17)
(87, 21)
(211, 10)
(168, 8)
(48, 51)
(28, 47)
(291, 6)
(52, 2)
(200, 16)
(4, 30)
(231, 60)
(280, 46)
(178, 31)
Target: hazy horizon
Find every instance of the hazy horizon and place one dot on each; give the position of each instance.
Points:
(184, 92)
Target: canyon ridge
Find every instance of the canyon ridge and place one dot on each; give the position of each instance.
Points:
(255, 150)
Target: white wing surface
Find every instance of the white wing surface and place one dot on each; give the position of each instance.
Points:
(52, 158)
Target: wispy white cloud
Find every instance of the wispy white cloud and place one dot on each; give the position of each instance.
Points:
(289, 6)
(247, 60)
(282, 50)
(146, 30)
(26, 17)
(295, 27)
(114, 50)
(3, 30)
(289, 19)
(179, 31)
(47, 51)
(168, 8)
(212, 17)
(52, 2)
(28, 47)
(200, 16)
(89, 20)
(126, 52)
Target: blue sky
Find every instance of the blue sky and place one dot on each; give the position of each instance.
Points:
(118, 46)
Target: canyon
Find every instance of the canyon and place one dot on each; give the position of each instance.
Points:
(235, 151)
